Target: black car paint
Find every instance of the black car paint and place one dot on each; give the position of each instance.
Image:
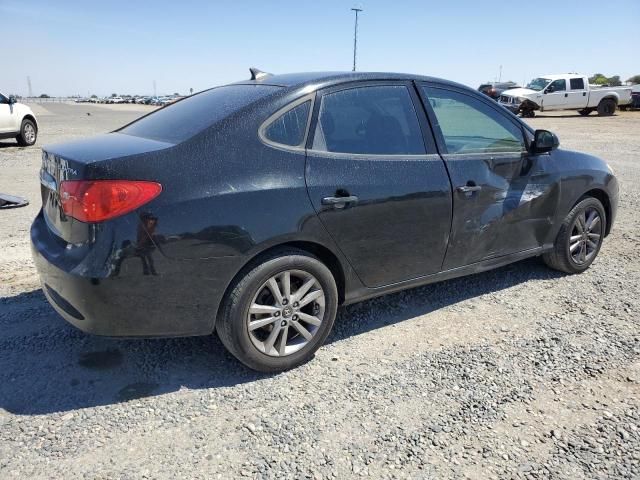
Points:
(228, 197)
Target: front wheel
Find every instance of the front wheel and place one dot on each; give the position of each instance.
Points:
(579, 239)
(280, 312)
(28, 134)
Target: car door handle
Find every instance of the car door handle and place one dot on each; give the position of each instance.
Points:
(339, 202)
(469, 188)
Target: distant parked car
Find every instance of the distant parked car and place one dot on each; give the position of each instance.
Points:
(17, 121)
(495, 89)
(254, 209)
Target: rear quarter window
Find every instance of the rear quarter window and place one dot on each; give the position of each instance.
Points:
(184, 119)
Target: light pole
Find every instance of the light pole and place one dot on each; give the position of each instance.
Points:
(355, 37)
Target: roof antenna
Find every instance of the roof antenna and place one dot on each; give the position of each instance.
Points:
(257, 74)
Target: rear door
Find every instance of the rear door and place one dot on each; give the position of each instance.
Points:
(376, 181)
(501, 198)
(577, 94)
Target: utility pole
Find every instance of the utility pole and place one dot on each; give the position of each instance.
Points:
(29, 85)
(155, 91)
(355, 37)
(500, 77)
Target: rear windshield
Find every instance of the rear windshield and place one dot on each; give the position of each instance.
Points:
(184, 119)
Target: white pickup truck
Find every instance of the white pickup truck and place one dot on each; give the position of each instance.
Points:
(567, 91)
(17, 121)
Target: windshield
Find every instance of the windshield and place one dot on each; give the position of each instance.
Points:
(184, 119)
(538, 84)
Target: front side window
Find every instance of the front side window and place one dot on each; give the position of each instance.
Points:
(289, 128)
(3, 99)
(469, 125)
(558, 86)
(577, 84)
(375, 120)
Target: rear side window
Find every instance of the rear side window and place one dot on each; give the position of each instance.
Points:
(469, 125)
(184, 119)
(290, 127)
(376, 120)
(577, 84)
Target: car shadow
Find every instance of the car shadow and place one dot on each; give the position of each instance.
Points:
(48, 366)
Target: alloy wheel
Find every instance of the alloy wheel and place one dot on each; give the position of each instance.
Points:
(586, 236)
(286, 313)
(29, 133)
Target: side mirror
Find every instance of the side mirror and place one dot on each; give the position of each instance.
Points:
(544, 141)
(12, 100)
(548, 90)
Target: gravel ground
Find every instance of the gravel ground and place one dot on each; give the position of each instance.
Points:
(521, 372)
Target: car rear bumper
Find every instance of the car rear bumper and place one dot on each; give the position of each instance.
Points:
(119, 298)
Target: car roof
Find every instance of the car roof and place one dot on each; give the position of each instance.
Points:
(324, 79)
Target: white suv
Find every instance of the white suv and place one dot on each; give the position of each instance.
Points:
(17, 121)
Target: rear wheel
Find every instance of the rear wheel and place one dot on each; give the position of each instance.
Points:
(606, 107)
(28, 133)
(579, 239)
(280, 312)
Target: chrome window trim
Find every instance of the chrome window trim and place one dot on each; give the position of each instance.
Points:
(275, 116)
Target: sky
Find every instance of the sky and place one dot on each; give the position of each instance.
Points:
(87, 47)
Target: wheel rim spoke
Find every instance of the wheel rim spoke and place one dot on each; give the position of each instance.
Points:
(575, 238)
(310, 319)
(310, 297)
(272, 285)
(261, 323)
(304, 289)
(271, 339)
(580, 223)
(302, 331)
(286, 285)
(573, 246)
(283, 341)
(257, 309)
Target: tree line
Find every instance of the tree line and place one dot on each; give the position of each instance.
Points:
(600, 79)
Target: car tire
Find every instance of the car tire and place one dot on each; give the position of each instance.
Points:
(584, 112)
(606, 107)
(580, 232)
(28, 133)
(623, 107)
(253, 322)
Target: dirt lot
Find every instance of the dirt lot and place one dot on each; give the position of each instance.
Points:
(516, 373)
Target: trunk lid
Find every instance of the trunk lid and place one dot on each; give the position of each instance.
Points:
(74, 161)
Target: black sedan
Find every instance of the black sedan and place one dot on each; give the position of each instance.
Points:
(256, 209)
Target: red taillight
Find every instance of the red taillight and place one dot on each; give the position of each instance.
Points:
(99, 200)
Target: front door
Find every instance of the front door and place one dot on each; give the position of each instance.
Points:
(6, 115)
(555, 96)
(500, 200)
(377, 183)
